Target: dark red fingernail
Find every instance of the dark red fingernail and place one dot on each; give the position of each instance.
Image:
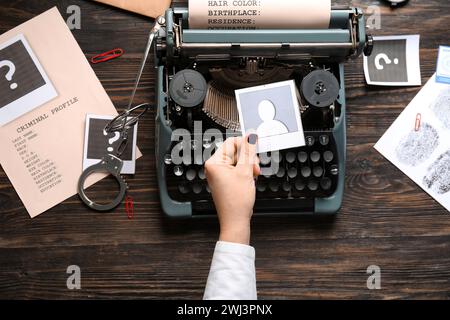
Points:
(252, 138)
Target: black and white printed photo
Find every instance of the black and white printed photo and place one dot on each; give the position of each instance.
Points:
(98, 143)
(394, 61)
(272, 112)
(24, 84)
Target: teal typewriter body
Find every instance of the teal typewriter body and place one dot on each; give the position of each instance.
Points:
(306, 180)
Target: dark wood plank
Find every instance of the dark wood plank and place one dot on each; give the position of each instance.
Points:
(386, 219)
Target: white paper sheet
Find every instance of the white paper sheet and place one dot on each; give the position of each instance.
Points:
(259, 14)
(418, 142)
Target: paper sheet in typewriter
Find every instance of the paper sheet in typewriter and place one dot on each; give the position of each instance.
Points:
(259, 14)
(149, 8)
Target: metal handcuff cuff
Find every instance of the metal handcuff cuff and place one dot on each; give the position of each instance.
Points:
(111, 162)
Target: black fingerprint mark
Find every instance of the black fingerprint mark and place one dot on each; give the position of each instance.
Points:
(417, 146)
(441, 108)
(438, 176)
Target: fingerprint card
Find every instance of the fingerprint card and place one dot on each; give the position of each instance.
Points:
(417, 142)
(98, 143)
(24, 84)
(395, 61)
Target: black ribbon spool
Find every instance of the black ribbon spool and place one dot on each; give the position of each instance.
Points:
(320, 88)
(188, 88)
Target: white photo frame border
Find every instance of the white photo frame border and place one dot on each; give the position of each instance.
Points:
(129, 166)
(35, 98)
(282, 141)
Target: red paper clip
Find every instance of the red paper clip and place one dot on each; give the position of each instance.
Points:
(106, 56)
(418, 121)
(129, 207)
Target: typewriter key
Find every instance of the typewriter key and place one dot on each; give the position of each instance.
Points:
(190, 174)
(183, 188)
(261, 186)
(281, 172)
(315, 156)
(334, 170)
(320, 88)
(188, 88)
(302, 156)
(313, 185)
(306, 172)
(168, 159)
(178, 171)
(292, 172)
(197, 188)
(207, 143)
(286, 186)
(290, 157)
(310, 140)
(328, 156)
(201, 174)
(324, 139)
(325, 184)
(299, 185)
(318, 172)
(274, 186)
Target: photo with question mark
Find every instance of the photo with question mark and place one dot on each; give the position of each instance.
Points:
(99, 143)
(394, 61)
(24, 85)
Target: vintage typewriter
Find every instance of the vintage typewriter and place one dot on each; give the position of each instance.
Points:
(197, 73)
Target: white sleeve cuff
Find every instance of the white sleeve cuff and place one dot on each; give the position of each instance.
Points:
(232, 273)
(238, 248)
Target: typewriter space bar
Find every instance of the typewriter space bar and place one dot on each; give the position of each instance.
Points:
(263, 206)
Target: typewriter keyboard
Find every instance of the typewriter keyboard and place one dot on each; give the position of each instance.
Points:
(305, 172)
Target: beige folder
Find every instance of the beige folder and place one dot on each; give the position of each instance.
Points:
(149, 8)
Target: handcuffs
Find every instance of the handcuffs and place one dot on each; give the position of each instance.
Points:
(111, 163)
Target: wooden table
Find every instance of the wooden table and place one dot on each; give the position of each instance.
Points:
(386, 219)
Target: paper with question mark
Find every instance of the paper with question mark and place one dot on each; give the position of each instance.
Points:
(394, 61)
(24, 84)
(41, 151)
(97, 143)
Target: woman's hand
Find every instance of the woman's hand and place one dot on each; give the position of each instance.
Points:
(231, 173)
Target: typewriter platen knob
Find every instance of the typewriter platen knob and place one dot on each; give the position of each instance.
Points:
(188, 88)
(368, 48)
